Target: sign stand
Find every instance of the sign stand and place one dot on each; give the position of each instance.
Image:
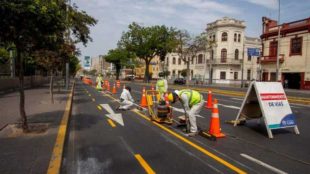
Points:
(267, 100)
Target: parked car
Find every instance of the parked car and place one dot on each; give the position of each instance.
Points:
(179, 81)
(130, 77)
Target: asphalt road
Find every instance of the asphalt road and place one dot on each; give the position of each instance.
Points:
(96, 144)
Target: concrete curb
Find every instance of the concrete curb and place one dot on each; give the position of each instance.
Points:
(56, 158)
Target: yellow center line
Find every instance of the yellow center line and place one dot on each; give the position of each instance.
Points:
(111, 123)
(187, 141)
(144, 164)
(99, 107)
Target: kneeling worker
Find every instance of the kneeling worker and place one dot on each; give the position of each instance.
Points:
(126, 100)
(192, 102)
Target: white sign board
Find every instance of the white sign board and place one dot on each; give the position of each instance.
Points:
(268, 100)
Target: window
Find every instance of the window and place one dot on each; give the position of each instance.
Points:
(173, 61)
(223, 75)
(296, 46)
(224, 37)
(173, 72)
(192, 61)
(223, 55)
(236, 54)
(235, 37)
(214, 37)
(235, 75)
(248, 74)
(239, 37)
(212, 54)
(192, 73)
(273, 48)
(249, 57)
(200, 57)
(179, 61)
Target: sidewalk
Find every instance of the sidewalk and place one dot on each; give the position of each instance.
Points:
(30, 153)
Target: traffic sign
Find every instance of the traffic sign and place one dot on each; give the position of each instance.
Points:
(268, 100)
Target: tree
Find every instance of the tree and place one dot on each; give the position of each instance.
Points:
(29, 25)
(184, 72)
(148, 42)
(119, 57)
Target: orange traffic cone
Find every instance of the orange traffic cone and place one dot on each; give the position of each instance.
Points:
(118, 83)
(209, 101)
(215, 128)
(143, 99)
(108, 86)
(114, 89)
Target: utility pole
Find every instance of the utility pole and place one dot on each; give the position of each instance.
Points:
(278, 49)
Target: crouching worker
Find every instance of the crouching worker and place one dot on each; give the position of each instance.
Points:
(192, 102)
(126, 100)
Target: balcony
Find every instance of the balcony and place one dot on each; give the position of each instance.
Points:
(271, 59)
(228, 61)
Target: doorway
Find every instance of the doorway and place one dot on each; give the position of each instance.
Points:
(293, 80)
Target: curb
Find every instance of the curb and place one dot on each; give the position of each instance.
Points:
(56, 158)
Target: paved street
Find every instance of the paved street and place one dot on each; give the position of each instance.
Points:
(96, 144)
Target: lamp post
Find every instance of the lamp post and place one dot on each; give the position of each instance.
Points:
(278, 49)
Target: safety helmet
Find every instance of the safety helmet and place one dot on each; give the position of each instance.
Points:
(172, 97)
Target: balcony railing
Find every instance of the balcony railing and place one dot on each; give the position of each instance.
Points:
(271, 59)
(228, 61)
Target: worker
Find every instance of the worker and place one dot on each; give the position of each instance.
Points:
(99, 82)
(162, 87)
(126, 100)
(192, 102)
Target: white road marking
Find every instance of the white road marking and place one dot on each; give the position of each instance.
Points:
(117, 117)
(263, 164)
(229, 106)
(237, 99)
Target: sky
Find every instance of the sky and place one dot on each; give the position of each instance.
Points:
(114, 16)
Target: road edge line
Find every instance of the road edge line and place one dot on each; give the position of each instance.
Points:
(56, 158)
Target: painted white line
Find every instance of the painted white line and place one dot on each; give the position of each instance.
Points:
(240, 99)
(263, 164)
(229, 106)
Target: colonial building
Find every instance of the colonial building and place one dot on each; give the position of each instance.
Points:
(226, 61)
(154, 68)
(294, 52)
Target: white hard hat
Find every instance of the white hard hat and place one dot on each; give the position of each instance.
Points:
(177, 92)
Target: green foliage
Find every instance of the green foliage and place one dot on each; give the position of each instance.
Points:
(4, 55)
(164, 74)
(184, 73)
(148, 42)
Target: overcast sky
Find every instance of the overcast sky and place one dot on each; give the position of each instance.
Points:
(114, 16)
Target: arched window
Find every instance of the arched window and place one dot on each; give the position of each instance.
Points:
(173, 61)
(223, 55)
(192, 61)
(179, 61)
(236, 54)
(224, 36)
(235, 37)
(200, 57)
(239, 37)
(212, 54)
(214, 37)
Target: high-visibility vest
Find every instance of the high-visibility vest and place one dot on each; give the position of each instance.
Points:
(161, 86)
(194, 96)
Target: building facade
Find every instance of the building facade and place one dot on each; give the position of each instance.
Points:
(226, 61)
(103, 67)
(154, 68)
(294, 54)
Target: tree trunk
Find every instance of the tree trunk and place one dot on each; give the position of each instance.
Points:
(118, 69)
(188, 73)
(147, 71)
(52, 87)
(20, 62)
